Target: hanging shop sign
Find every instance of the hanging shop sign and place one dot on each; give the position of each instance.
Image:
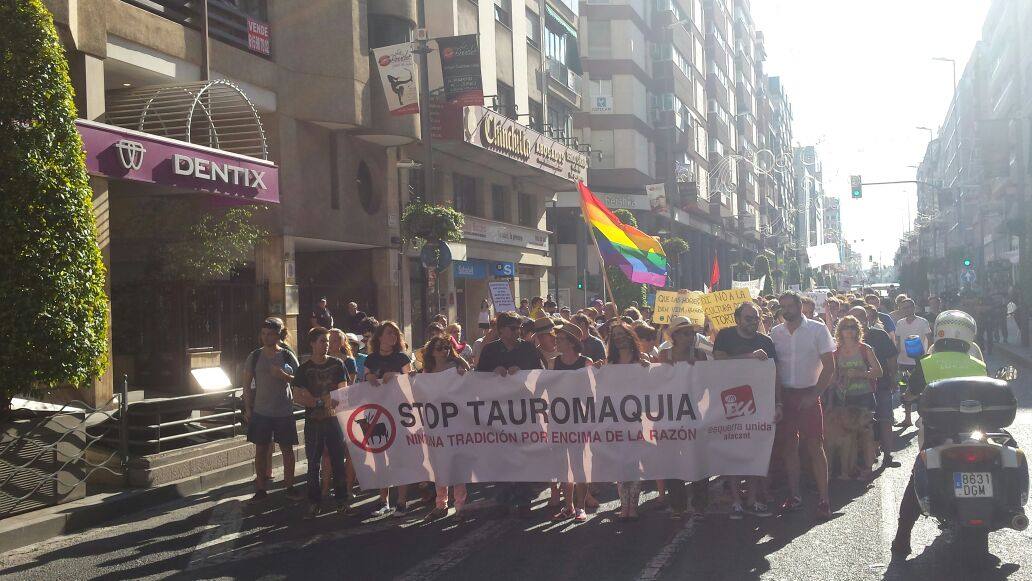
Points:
(501, 233)
(489, 130)
(460, 69)
(117, 153)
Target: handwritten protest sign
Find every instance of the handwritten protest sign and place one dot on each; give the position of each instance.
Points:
(720, 306)
(682, 303)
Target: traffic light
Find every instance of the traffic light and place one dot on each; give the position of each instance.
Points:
(967, 262)
(855, 185)
(580, 284)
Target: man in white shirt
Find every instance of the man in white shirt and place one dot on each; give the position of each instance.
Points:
(910, 324)
(805, 367)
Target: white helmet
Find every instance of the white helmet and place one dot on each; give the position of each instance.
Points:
(955, 325)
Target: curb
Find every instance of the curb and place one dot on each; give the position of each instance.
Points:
(44, 524)
(1014, 354)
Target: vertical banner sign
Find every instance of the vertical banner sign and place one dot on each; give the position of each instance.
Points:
(683, 303)
(258, 36)
(460, 69)
(657, 197)
(501, 296)
(397, 73)
(720, 306)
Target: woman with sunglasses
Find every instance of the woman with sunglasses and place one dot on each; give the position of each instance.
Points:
(623, 349)
(856, 373)
(439, 355)
(684, 347)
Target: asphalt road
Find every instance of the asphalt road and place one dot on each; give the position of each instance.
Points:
(218, 536)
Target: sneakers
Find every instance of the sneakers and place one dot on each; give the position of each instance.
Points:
(344, 508)
(293, 494)
(888, 462)
(384, 510)
(580, 515)
(401, 511)
(792, 504)
(259, 495)
(823, 511)
(758, 509)
(312, 511)
(737, 512)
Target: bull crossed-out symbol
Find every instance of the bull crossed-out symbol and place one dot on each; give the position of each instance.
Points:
(367, 418)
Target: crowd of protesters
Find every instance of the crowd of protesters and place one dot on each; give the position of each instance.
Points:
(842, 360)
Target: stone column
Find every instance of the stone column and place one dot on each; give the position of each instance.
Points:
(274, 268)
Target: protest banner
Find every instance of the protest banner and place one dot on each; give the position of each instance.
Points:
(755, 286)
(683, 303)
(720, 306)
(819, 298)
(617, 423)
(501, 296)
(823, 254)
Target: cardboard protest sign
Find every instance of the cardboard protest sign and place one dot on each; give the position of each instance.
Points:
(684, 303)
(720, 306)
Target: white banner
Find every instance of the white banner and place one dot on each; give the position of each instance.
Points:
(755, 285)
(657, 197)
(397, 73)
(501, 296)
(823, 254)
(617, 423)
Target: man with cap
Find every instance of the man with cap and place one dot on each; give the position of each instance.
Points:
(544, 338)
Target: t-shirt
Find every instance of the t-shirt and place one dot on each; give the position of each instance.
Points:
(594, 348)
(885, 350)
(320, 379)
(919, 326)
(734, 344)
(377, 365)
(360, 366)
(351, 366)
(272, 393)
(887, 323)
(799, 353)
(323, 317)
(495, 354)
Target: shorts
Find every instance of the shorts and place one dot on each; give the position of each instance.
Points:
(262, 430)
(863, 401)
(883, 405)
(807, 423)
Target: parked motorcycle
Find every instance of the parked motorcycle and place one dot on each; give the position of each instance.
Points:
(970, 474)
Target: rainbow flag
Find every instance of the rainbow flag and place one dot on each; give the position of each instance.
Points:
(637, 254)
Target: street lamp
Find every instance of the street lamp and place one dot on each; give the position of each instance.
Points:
(952, 62)
(929, 130)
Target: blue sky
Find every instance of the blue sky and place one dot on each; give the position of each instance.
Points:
(861, 78)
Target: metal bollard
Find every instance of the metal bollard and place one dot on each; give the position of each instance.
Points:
(123, 420)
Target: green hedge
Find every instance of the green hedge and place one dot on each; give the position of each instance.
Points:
(52, 300)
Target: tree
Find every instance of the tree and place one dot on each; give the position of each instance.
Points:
(674, 248)
(624, 291)
(761, 268)
(52, 278)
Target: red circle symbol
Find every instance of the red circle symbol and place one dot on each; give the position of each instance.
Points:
(376, 428)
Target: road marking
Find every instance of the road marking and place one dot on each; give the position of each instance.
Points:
(455, 553)
(223, 527)
(655, 567)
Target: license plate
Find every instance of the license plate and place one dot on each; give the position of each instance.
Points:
(972, 485)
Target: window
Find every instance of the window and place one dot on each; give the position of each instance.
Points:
(499, 203)
(364, 187)
(537, 116)
(602, 87)
(533, 29)
(465, 194)
(506, 102)
(555, 45)
(503, 12)
(528, 211)
(599, 33)
(388, 30)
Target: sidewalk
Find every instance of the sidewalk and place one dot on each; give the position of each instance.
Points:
(1013, 349)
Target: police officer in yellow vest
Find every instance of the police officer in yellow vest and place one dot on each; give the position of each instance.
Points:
(949, 357)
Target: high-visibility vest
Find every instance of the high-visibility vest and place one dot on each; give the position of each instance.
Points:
(950, 364)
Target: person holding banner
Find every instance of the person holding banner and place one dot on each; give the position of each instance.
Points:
(623, 349)
(440, 355)
(508, 355)
(387, 359)
(744, 341)
(684, 347)
(568, 342)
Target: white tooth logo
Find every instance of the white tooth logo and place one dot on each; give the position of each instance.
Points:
(130, 153)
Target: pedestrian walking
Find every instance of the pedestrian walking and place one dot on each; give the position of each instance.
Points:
(321, 316)
(441, 355)
(386, 360)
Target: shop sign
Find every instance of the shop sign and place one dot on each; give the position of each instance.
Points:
(258, 36)
(489, 130)
(469, 269)
(612, 201)
(508, 234)
(117, 153)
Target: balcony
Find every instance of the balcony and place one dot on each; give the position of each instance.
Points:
(565, 82)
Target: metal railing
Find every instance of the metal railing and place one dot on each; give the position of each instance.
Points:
(564, 75)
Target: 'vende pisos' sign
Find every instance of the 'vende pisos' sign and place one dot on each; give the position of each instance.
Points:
(489, 130)
(118, 153)
(621, 422)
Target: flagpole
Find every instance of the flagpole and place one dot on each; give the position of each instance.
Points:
(601, 264)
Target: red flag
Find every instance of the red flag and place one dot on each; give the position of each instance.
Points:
(714, 277)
